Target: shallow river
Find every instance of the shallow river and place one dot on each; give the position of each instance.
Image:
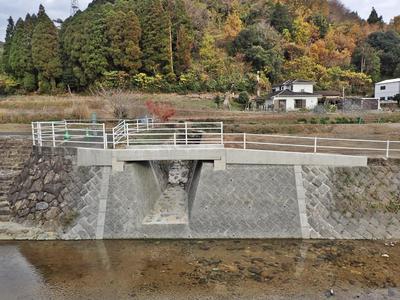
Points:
(260, 269)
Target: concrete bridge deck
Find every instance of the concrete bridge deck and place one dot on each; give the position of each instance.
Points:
(218, 154)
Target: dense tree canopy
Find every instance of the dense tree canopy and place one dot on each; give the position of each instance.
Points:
(201, 45)
(388, 45)
(46, 51)
(7, 46)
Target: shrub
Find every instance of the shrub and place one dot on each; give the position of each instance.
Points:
(29, 83)
(324, 121)
(7, 85)
(115, 80)
(397, 98)
(44, 86)
(218, 100)
(161, 111)
(118, 99)
(243, 98)
(302, 121)
(332, 108)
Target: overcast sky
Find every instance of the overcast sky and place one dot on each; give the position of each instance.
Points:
(61, 9)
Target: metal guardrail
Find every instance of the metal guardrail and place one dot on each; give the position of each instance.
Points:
(131, 133)
(64, 133)
(378, 148)
(187, 133)
(120, 132)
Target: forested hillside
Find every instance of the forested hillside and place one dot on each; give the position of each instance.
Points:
(200, 45)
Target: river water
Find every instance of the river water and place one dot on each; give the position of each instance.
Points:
(247, 269)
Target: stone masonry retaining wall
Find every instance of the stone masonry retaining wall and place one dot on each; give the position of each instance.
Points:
(13, 153)
(53, 193)
(256, 201)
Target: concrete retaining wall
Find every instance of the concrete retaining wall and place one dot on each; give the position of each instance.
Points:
(242, 201)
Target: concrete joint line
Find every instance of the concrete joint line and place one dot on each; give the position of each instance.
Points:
(301, 200)
(101, 215)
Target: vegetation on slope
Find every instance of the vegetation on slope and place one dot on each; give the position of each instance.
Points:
(200, 45)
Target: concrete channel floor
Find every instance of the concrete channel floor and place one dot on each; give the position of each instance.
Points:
(170, 208)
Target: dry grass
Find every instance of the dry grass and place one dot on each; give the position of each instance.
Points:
(25, 109)
(80, 111)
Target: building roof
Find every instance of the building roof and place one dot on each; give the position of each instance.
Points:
(289, 93)
(389, 81)
(290, 82)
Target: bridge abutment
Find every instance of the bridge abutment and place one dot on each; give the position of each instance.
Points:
(113, 196)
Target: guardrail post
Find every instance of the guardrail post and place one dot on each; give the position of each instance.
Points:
(105, 136)
(222, 133)
(174, 138)
(137, 125)
(244, 140)
(315, 144)
(113, 133)
(39, 127)
(186, 133)
(33, 134)
(53, 134)
(127, 134)
(387, 149)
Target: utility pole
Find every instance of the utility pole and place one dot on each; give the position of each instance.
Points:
(74, 7)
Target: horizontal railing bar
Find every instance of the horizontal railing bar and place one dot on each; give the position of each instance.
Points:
(350, 140)
(278, 144)
(49, 122)
(85, 124)
(171, 133)
(350, 148)
(175, 128)
(79, 142)
(281, 136)
(83, 129)
(183, 140)
(309, 138)
(74, 141)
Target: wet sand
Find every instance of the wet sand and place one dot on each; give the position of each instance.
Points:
(250, 269)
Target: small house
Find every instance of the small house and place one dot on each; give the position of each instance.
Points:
(292, 95)
(386, 90)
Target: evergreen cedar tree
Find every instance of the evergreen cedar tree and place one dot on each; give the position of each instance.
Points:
(374, 18)
(201, 45)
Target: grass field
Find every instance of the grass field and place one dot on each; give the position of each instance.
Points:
(22, 110)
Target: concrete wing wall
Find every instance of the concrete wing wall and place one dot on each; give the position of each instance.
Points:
(246, 202)
(353, 203)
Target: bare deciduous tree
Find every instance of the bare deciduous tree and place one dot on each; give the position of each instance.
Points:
(117, 98)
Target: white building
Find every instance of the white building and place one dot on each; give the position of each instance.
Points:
(386, 90)
(293, 95)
